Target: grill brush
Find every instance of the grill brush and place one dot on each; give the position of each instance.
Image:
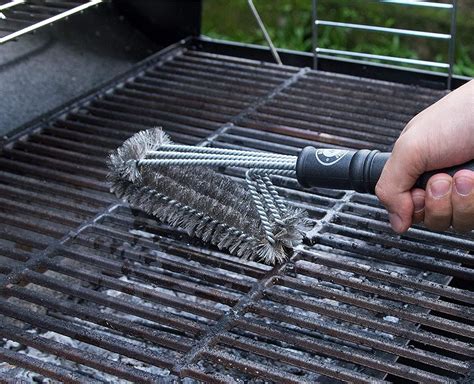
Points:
(176, 184)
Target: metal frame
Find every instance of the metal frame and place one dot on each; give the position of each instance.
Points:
(359, 68)
(45, 22)
(331, 53)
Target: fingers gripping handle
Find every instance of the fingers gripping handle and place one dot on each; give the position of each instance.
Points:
(423, 180)
(351, 170)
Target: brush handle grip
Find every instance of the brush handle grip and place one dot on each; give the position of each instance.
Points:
(352, 170)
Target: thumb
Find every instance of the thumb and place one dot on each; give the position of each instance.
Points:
(398, 177)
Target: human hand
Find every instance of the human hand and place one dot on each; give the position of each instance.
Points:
(438, 137)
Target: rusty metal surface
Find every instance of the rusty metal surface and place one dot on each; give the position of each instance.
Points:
(92, 290)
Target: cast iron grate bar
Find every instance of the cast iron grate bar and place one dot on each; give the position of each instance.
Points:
(136, 300)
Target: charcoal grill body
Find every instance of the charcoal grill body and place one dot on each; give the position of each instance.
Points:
(107, 293)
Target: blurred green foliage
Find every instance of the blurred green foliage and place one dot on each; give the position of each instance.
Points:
(289, 24)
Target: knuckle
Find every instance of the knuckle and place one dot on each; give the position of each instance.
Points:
(463, 206)
(438, 210)
(400, 144)
(463, 227)
(418, 217)
(436, 225)
(438, 217)
(463, 214)
(417, 220)
(406, 143)
(410, 124)
(381, 193)
(409, 146)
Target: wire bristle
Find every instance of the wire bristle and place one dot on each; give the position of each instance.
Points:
(123, 161)
(204, 203)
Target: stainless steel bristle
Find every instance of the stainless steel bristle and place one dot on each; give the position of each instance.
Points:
(125, 160)
(176, 184)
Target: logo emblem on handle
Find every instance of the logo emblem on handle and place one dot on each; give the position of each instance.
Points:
(329, 157)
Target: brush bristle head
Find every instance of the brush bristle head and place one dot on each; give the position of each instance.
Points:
(206, 204)
(123, 161)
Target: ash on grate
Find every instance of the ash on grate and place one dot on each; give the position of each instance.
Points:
(139, 301)
(27, 376)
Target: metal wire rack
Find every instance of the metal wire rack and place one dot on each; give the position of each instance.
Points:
(450, 37)
(19, 17)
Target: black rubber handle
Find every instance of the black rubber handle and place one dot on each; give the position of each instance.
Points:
(351, 170)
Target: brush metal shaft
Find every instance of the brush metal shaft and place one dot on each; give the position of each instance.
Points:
(217, 151)
(215, 156)
(246, 163)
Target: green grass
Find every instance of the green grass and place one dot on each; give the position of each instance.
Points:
(289, 25)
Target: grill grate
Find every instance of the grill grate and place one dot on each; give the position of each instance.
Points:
(94, 291)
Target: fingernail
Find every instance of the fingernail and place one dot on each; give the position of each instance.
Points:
(395, 222)
(440, 188)
(463, 185)
(419, 203)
